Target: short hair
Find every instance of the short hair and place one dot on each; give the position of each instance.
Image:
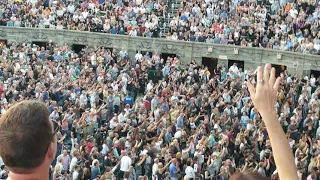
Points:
(26, 133)
(188, 163)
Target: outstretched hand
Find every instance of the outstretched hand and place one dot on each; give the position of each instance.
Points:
(265, 94)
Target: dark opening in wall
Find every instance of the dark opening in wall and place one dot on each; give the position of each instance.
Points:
(77, 47)
(165, 56)
(211, 63)
(240, 64)
(279, 68)
(41, 43)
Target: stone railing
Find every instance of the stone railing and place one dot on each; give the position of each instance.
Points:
(296, 62)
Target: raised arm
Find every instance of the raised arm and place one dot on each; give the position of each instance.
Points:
(142, 160)
(115, 168)
(101, 107)
(165, 167)
(264, 97)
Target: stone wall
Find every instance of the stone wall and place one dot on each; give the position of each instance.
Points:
(296, 62)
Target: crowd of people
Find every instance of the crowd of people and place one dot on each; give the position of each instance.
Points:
(134, 18)
(280, 25)
(154, 118)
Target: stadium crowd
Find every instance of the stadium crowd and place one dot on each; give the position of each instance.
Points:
(275, 24)
(281, 25)
(134, 18)
(153, 118)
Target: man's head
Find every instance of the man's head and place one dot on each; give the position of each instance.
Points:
(65, 152)
(27, 138)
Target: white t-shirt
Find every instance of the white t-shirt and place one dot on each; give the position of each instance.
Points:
(75, 175)
(121, 117)
(33, 1)
(312, 81)
(249, 126)
(85, 14)
(125, 163)
(138, 56)
(73, 163)
(113, 124)
(293, 13)
(154, 169)
(316, 46)
(149, 86)
(234, 69)
(190, 172)
(105, 149)
(60, 12)
(94, 161)
(178, 134)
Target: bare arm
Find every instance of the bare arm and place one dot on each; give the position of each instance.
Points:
(280, 146)
(142, 160)
(165, 167)
(244, 168)
(264, 97)
(114, 168)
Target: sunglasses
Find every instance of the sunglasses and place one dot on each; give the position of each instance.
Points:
(56, 128)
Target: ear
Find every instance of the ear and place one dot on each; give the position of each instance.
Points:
(52, 149)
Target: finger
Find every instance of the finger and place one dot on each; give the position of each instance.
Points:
(259, 77)
(266, 73)
(272, 76)
(276, 84)
(251, 89)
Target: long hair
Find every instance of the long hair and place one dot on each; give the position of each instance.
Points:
(247, 175)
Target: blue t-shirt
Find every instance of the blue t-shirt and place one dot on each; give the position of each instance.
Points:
(165, 108)
(42, 56)
(212, 141)
(46, 3)
(227, 99)
(14, 10)
(252, 114)
(183, 17)
(113, 31)
(77, 91)
(245, 99)
(51, 108)
(95, 172)
(172, 169)
(179, 122)
(10, 23)
(168, 137)
(58, 96)
(134, 22)
(45, 96)
(128, 100)
(119, 3)
(244, 120)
